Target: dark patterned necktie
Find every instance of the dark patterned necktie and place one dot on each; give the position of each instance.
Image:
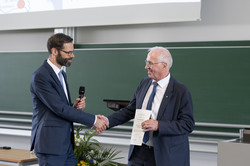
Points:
(149, 107)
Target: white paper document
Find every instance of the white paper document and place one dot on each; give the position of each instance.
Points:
(137, 132)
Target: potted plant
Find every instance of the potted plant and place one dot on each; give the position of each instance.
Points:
(89, 152)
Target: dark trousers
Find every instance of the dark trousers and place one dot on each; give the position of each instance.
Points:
(67, 159)
(142, 156)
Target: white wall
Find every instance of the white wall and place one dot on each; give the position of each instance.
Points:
(24, 40)
(222, 20)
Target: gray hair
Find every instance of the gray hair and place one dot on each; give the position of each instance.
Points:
(165, 55)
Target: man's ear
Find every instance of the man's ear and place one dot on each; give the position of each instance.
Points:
(165, 65)
(54, 51)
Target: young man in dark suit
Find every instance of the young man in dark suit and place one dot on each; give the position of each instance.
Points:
(52, 136)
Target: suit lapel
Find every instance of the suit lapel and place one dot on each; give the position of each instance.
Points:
(144, 92)
(166, 98)
(55, 78)
(67, 87)
(52, 73)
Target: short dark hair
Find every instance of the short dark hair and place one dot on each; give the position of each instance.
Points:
(57, 41)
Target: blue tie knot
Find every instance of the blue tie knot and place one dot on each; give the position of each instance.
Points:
(155, 84)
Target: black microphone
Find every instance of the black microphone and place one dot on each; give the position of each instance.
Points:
(81, 92)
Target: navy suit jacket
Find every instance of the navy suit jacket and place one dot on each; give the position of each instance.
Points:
(53, 115)
(175, 118)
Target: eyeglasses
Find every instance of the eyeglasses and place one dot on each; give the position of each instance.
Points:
(151, 63)
(68, 52)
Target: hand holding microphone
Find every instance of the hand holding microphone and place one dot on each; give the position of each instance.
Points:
(80, 102)
(81, 92)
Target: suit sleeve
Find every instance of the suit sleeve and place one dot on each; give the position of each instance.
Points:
(127, 113)
(123, 115)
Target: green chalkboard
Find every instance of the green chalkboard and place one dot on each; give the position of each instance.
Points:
(219, 81)
(16, 69)
(216, 73)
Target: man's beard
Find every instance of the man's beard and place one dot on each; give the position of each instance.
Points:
(63, 61)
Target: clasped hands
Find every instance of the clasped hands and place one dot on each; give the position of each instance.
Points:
(102, 123)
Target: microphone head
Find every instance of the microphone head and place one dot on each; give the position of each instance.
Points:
(81, 91)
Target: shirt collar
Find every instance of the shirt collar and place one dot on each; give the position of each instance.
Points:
(54, 67)
(163, 82)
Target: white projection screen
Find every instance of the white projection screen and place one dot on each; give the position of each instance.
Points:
(33, 14)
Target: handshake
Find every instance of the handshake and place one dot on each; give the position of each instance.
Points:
(102, 123)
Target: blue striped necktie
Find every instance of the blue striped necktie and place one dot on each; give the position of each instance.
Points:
(61, 77)
(149, 107)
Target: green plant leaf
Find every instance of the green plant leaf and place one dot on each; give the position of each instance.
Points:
(90, 151)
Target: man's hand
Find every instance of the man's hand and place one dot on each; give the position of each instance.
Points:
(101, 123)
(80, 104)
(150, 125)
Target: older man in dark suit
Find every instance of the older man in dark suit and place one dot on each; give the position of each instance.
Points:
(165, 141)
(52, 136)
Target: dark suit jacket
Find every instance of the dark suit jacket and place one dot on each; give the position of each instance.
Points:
(175, 117)
(53, 115)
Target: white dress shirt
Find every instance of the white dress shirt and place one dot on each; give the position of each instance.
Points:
(160, 90)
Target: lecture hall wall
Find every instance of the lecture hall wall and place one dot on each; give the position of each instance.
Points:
(223, 20)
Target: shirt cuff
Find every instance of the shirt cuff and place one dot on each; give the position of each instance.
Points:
(95, 120)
